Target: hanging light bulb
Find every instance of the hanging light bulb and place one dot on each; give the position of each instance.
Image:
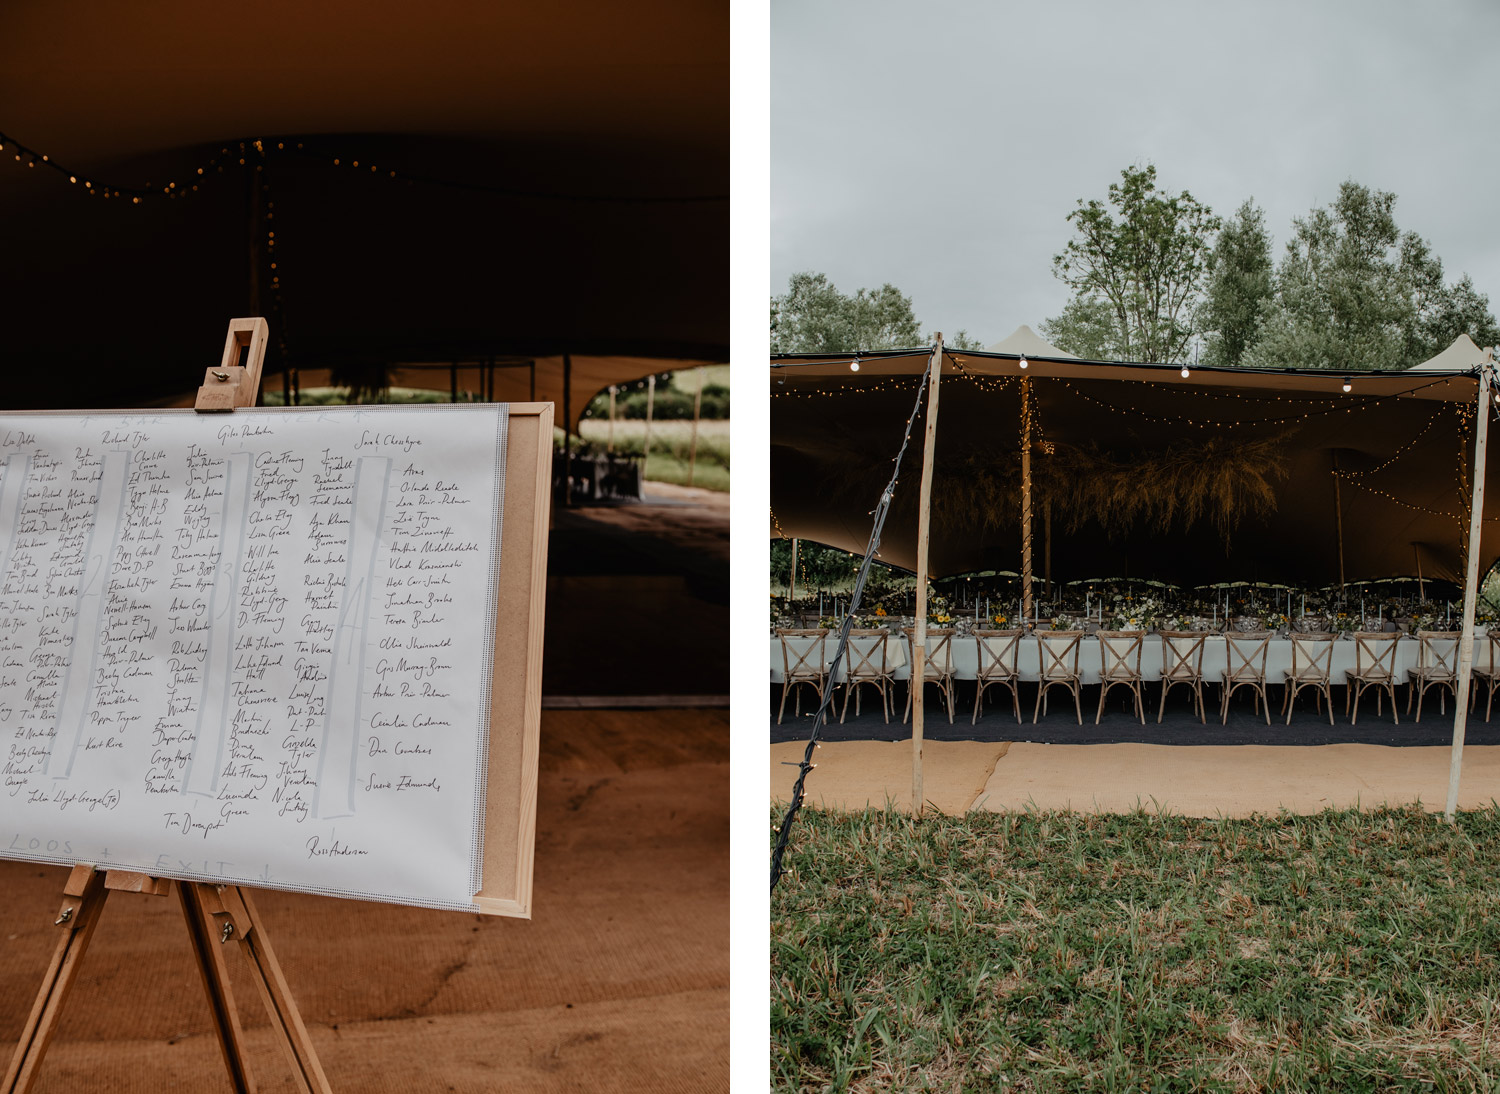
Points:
(1024, 363)
(1348, 385)
(1184, 372)
(854, 365)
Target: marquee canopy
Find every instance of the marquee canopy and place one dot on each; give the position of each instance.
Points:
(458, 181)
(1220, 475)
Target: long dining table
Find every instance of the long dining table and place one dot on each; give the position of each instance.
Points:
(1215, 656)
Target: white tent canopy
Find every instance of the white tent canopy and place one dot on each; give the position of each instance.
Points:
(1463, 354)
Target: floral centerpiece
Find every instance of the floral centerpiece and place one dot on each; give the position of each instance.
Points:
(1343, 623)
(1000, 621)
(1062, 622)
(1271, 619)
(1137, 614)
(939, 611)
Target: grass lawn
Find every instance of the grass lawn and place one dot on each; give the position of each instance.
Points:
(1062, 951)
(671, 443)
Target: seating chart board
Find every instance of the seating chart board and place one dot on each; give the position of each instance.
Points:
(255, 648)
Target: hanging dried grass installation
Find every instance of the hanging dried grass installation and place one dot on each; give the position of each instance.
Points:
(1221, 479)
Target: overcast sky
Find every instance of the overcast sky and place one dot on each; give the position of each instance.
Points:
(940, 146)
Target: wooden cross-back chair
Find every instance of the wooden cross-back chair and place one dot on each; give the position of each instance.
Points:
(808, 665)
(1486, 672)
(937, 667)
(1059, 668)
(1374, 667)
(999, 663)
(1120, 666)
(1437, 667)
(1182, 663)
(1312, 667)
(1246, 668)
(867, 666)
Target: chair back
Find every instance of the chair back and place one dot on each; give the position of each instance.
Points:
(938, 660)
(1120, 654)
(802, 653)
(1437, 657)
(1182, 654)
(1059, 654)
(1375, 655)
(867, 663)
(1494, 648)
(999, 654)
(1247, 654)
(1312, 656)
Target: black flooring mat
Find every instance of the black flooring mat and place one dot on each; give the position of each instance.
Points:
(1118, 725)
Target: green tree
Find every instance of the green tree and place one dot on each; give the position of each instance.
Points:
(1239, 293)
(1354, 292)
(1140, 265)
(812, 316)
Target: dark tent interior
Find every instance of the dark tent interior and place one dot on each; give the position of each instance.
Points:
(1222, 475)
(444, 183)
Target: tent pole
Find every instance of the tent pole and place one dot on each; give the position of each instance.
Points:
(1338, 508)
(792, 596)
(697, 409)
(650, 407)
(611, 446)
(919, 632)
(1471, 592)
(567, 426)
(1025, 501)
(1047, 548)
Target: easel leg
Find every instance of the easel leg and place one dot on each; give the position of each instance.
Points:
(215, 973)
(231, 908)
(83, 900)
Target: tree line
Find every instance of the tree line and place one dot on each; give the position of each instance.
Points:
(1156, 276)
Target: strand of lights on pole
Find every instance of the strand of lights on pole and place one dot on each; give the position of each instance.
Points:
(799, 793)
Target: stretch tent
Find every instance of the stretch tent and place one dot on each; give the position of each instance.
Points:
(1298, 480)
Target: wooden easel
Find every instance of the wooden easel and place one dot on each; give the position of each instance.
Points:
(215, 914)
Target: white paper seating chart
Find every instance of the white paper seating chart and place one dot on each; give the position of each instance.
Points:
(252, 648)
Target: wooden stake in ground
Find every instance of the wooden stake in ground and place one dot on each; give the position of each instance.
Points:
(919, 633)
(1471, 591)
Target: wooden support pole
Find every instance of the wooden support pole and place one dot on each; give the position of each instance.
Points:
(567, 424)
(1025, 501)
(924, 524)
(1338, 509)
(697, 409)
(1047, 547)
(792, 594)
(1471, 591)
(650, 408)
(610, 446)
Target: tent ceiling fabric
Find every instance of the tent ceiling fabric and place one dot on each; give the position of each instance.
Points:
(561, 183)
(1401, 441)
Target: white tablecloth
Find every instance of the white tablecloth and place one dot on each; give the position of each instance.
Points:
(1215, 657)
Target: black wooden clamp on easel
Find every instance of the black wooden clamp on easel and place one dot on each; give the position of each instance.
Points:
(215, 914)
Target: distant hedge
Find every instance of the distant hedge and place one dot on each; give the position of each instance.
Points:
(670, 404)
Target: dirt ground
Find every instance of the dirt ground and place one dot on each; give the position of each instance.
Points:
(1201, 781)
(619, 984)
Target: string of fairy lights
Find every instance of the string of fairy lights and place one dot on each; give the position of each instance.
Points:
(254, 153)
(1308, 410)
